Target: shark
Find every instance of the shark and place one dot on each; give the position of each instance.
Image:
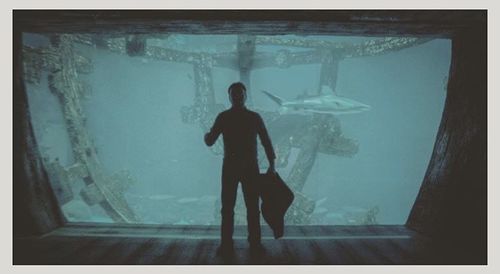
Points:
(327, 102)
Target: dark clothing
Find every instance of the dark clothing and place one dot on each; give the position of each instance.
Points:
(232, 173)
(276, 197)
(239, 128)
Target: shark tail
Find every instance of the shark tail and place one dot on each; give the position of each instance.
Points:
(275, 98)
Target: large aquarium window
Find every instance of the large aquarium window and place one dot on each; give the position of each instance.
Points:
(119, 121)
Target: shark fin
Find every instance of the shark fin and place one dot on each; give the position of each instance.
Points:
(275, 98)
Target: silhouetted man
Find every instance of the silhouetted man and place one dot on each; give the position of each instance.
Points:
(240, 127)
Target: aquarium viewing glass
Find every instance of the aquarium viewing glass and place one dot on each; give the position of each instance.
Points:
(119, 122)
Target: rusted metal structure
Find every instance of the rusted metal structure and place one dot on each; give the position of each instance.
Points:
(454, 186)
(319, 133)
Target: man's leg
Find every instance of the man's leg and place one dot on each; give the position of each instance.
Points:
(228, 199)
(251, 195)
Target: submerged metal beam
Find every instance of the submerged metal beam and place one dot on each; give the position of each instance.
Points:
(246, 51)
(283, 58)
(35, 60)
(101, 189)
(382, 46)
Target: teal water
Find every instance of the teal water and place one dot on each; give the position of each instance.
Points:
(133, 116)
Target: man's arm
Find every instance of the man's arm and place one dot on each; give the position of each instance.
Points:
(214, 132)
(266, 142)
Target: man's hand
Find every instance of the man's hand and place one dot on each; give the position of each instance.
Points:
(208, 142)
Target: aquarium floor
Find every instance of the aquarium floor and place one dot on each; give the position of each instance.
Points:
(147, 244)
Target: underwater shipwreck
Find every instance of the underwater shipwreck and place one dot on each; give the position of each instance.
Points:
(316, 129)
(378, 119)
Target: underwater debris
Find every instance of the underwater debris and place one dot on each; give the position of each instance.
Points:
(345, 216)
(282, 58)
(122, 180)
(300, 212)
(107, 191)
(317, 134)
(376, 47)
(186, 210)
(83, 64)
(371, 216)
(360, 215)
(77, 211)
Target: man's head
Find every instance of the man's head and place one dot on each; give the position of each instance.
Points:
(237, 94)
